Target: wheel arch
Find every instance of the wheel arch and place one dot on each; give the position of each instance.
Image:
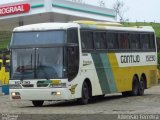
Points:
(135, 75)
(87, 80)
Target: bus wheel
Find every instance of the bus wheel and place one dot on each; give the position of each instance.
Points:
(37, 103)
(85, 94)
(135, 86)
(141, 88)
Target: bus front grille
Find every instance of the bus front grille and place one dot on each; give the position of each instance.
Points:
(28, 85)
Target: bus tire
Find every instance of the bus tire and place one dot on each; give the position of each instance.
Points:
(141, 88)
(135, 86)
(85, 94)
(37, 103)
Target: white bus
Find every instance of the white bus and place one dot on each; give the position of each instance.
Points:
(79, 60)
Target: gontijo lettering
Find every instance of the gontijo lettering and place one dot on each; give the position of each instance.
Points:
(130, 58)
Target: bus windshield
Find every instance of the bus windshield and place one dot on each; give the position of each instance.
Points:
(37, 63)
(50, 54)
(38, 37)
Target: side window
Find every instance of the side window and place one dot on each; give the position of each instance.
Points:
(134, 41)
(112, 40)
(72, 35)
(72, 62)
(123, 41)
(100, 40)
(152, 41)
(145, 41)
(72, 54)
(87, 40)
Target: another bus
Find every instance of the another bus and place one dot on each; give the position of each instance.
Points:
(79, 60)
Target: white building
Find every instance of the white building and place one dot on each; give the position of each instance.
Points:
(37, 11)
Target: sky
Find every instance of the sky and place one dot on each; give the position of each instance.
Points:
(135, 10)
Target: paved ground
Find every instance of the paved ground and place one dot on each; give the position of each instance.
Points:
(110, 104)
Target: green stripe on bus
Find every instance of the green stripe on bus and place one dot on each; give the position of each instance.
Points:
(101, 73)
(108, 72)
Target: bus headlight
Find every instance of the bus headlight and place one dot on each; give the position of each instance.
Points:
(15, 86)
(59, 85)
(15, 95)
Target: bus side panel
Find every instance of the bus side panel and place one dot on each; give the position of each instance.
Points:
(116, 73)
(87, 71)
(108, 76)
(123, 75)
(104, 72)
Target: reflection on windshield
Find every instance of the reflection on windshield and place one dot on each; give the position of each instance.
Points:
(40, 63)
(23, 63)
(49, 62)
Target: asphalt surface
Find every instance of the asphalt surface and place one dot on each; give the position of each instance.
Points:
(110, 107)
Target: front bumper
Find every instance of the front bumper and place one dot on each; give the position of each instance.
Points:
(42, 94)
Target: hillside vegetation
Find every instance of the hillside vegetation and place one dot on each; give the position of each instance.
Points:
(5, 37)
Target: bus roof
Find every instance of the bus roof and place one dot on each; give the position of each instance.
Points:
(98, 23)
(134, 28)
(112, 26)
(83, 24)
(45, 26)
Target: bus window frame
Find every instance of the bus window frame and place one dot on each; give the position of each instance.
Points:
(100, 31)
(127, 33)
(87, 50)
(149, 49)
(135, 33)
(118, 50)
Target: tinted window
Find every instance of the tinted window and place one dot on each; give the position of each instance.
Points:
(72, 62)
(123, 41)
(145, 41)
(87, 40)
(134, 41)
(100, 40)
(72, 35)
(152, 41)
(112, 40)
